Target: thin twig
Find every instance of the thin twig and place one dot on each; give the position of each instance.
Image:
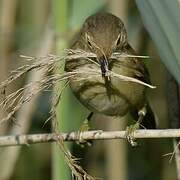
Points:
(14, 140)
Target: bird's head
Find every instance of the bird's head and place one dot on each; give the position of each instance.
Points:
(103, 34)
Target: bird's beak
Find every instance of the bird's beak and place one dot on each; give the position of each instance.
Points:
(104, 66)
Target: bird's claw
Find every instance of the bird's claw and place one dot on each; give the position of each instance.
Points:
(81, 141)
(130, 134)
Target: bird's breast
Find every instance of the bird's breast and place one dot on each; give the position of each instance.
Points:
(89, 87)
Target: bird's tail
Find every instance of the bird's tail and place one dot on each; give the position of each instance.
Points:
(149, 121)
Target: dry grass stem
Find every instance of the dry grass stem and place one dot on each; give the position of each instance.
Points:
(77, 171)
(123, 55)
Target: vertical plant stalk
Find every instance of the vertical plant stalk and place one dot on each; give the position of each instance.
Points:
(60, 169)
(10, 155)
(173, 91)
(176, 145)
(7, 25)
(116, 151)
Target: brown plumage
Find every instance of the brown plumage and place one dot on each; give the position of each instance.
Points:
(104, 34)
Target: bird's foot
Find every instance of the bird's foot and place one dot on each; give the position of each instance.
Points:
(84, 127)
(132, 128)
(130, 134)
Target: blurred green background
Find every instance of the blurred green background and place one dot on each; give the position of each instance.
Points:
(25, 28)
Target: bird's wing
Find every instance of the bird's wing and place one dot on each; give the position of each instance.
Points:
(138, 65)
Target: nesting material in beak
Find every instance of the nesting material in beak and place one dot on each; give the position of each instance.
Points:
(104, 67)
(105, 74)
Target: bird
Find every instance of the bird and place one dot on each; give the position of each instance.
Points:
(104, 35)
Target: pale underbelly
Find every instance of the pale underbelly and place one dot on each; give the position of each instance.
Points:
(116, 100)
(89, 87)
